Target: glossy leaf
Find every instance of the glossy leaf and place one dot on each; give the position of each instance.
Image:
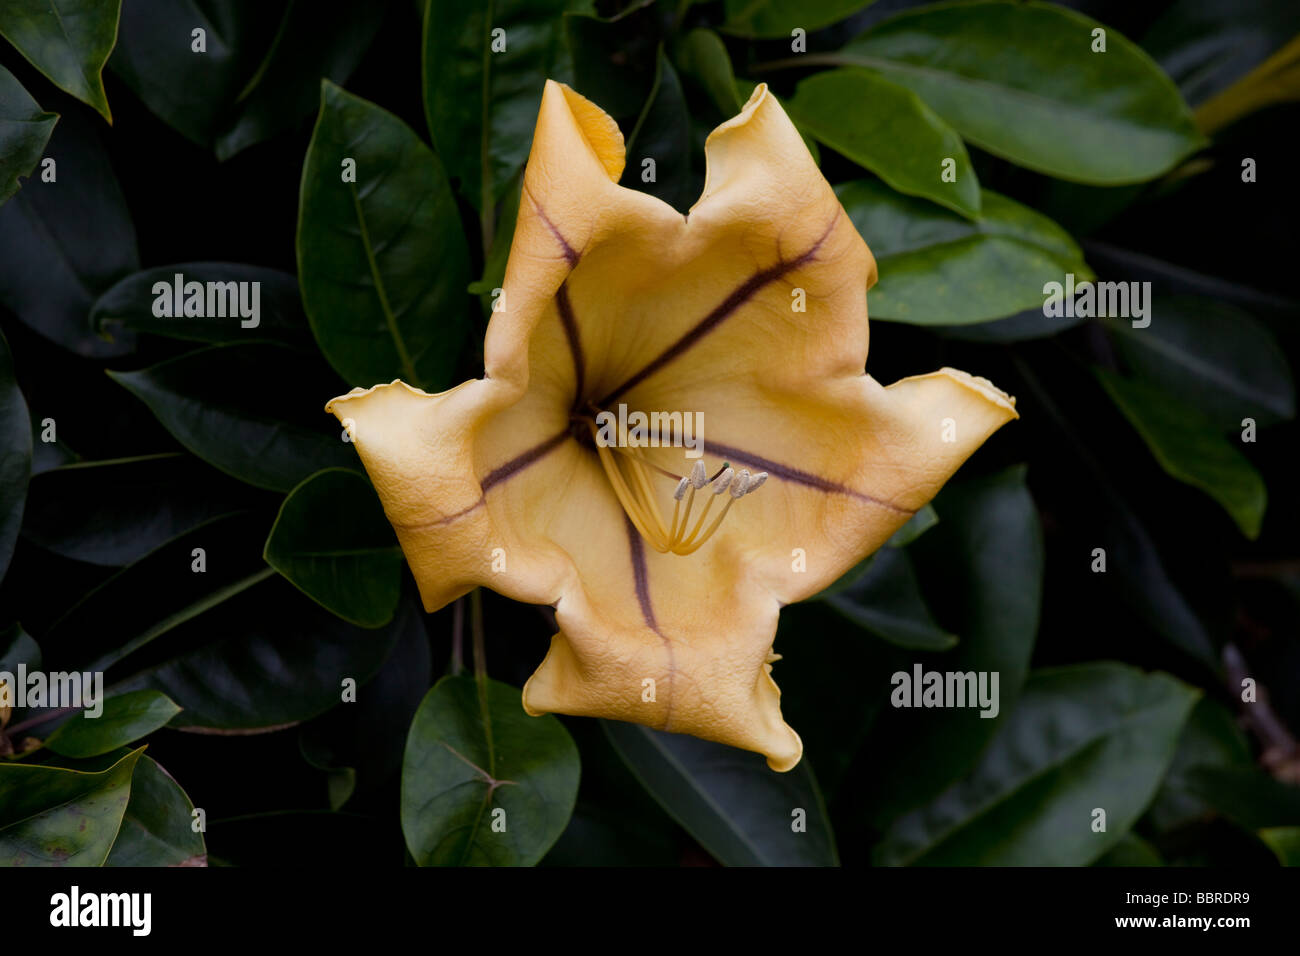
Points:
(325, 39)
(68, 40)
(130, 304)
(157, 828)
(982, 568)
(739, 809)
(1190, 449)
(703, 57)
(886, 601)
(265, 659)
(663, 134)
(333, 542)
(16, 462)
(64, 242)
(887, 129)
(113, 512)
(50, 816)
(1020, 80)
(124, 719)
(483, 783)
(481, 105)
(236, 646)
(24, 130)
(224, 404)
(260, 71)
(382, 260)
(1212, 356)
(937, 268)
(776, 18)
(1082, 737)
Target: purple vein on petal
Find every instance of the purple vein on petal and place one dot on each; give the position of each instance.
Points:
(570, 324)
(517, 464)
(796, 475)
(641, 578)
(570, 254)
(728, 307)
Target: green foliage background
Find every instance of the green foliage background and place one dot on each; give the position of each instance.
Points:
(136, 446)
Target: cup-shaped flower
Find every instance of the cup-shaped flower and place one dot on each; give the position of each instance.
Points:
(667, 548)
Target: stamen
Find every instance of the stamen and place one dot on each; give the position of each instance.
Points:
(635, 492)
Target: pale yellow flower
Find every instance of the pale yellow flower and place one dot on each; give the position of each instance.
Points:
(613, 297)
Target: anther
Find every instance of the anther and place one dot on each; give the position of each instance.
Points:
(699, 475)
(720, 483)
(681, 489)
(741, 484)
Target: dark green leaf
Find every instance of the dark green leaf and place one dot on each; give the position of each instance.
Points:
(1021, 327)
(886, 600)
(1021, 81)
(332, 540)
(616, 59)
(324, 39)
(24, 130)
(224, 404)
(1145, 585)
(64, 242)
(1246, 795)
(1284, 842)
(740, 810)
(1206, 46)
(1092, 736)
(482, 782)
(68, 40)
(887, 129)
(777, 18)
(157, 828)
(983, 571)
(113, 512)
(1210, 739)
(662, 134)
(382, 260)
(360, 743)
(702, 57)
(16, 462)
(1212, 356)
(17, 647)
(1191, 449)
(481, 105)
(55, 817)
(130, 304)
(261, 70)
(124, 719)
(921, 522)
(1132, 850)
(233, 644)
(937, 268)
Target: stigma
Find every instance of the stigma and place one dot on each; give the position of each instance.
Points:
(634, 481)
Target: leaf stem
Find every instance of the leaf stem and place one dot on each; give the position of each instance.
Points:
(480, 672)
(458, 637)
